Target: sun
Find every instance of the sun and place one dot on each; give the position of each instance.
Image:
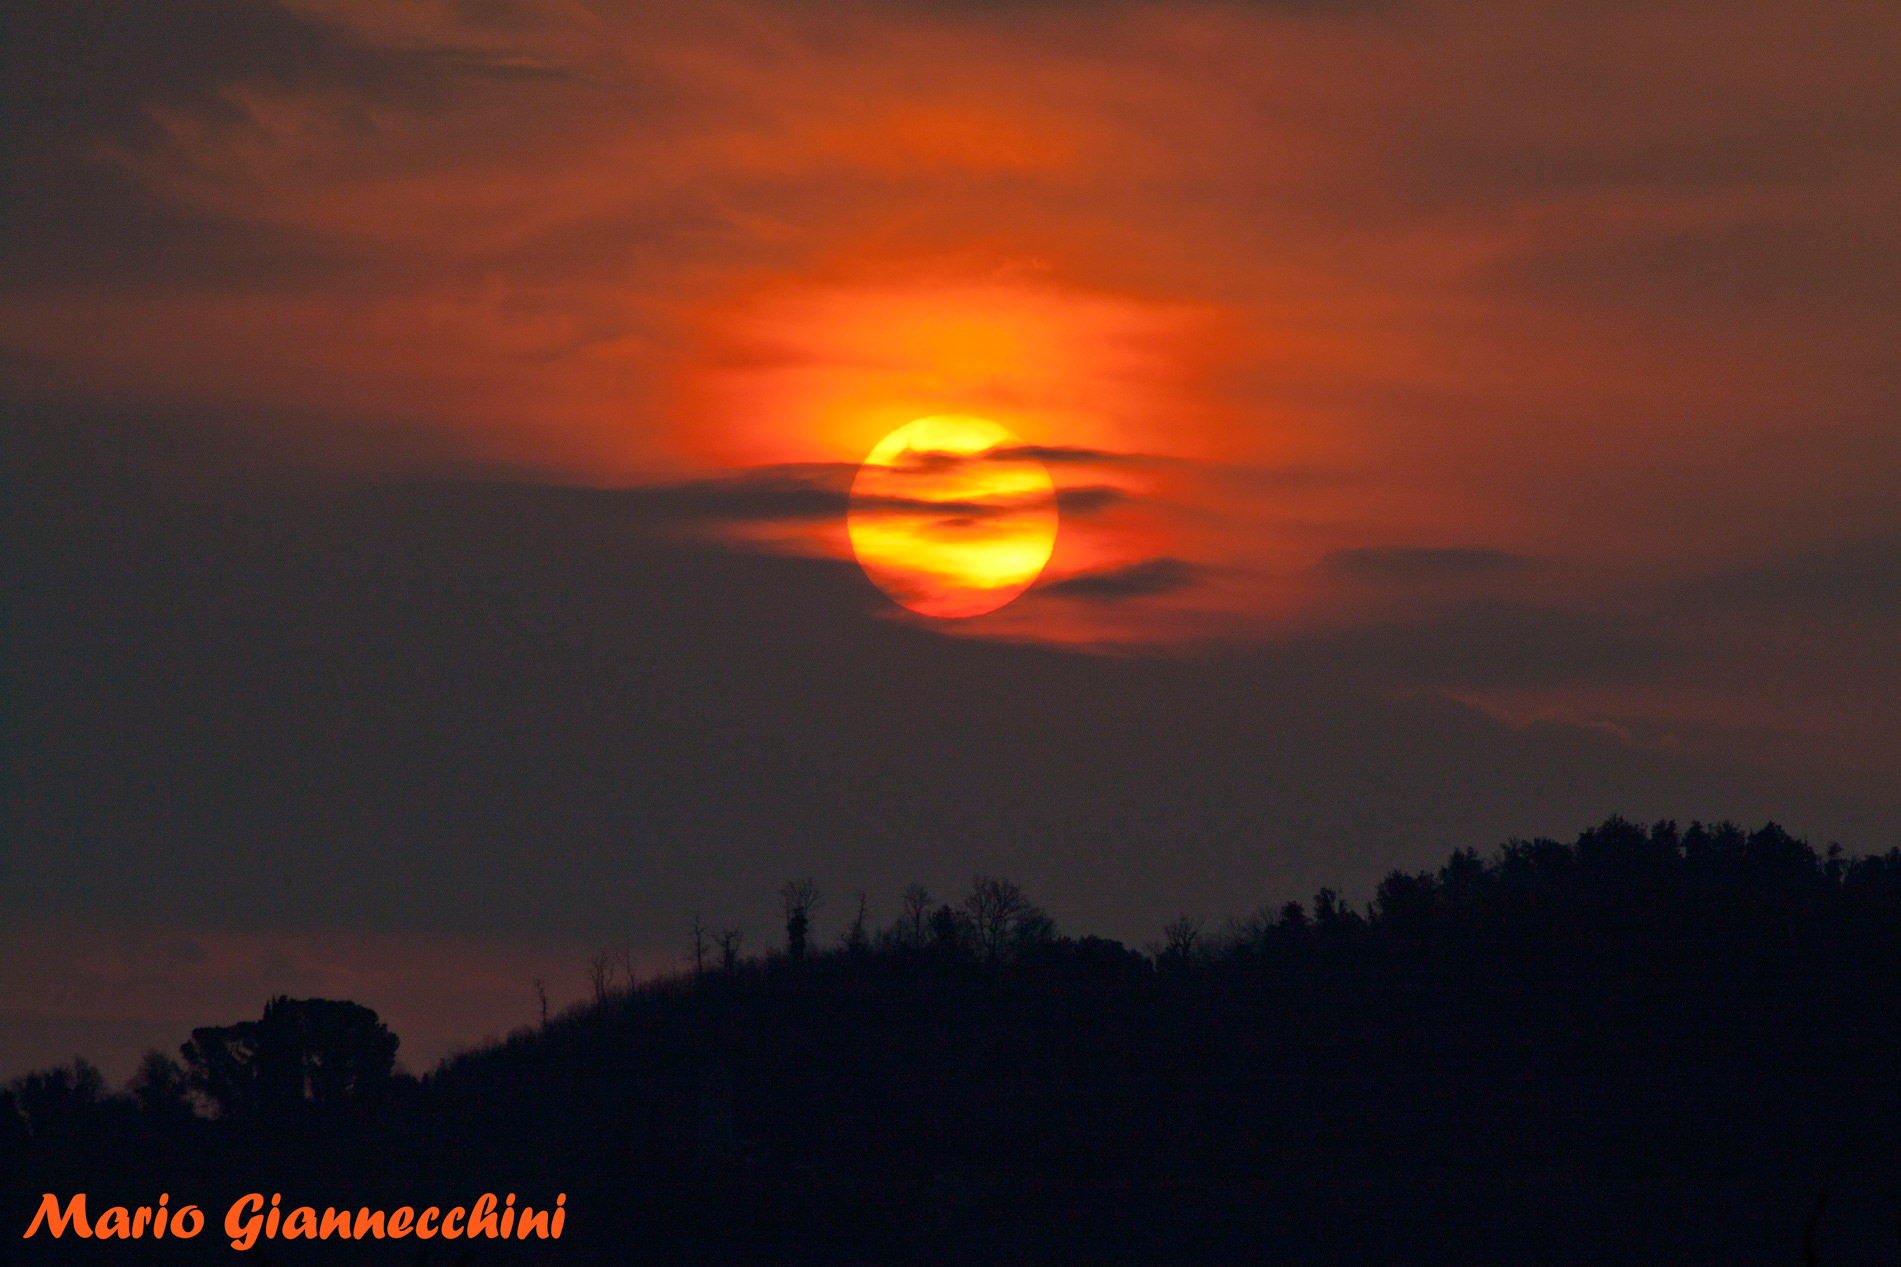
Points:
(952, 516)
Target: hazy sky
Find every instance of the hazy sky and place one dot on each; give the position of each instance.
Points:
(427, 428)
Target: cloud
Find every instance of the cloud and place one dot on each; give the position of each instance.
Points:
(1861, 577)
(90, 81)
(931, 461)
(1079, 500)
(1420, 563)
(1146, 579)
(1060, 454)
(791, 493)
(1506, 643)
(1090, 499)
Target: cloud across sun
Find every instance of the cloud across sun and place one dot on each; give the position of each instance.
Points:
(951, 517)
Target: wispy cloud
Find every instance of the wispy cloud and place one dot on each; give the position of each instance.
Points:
(1421, 563)
(1146, 579)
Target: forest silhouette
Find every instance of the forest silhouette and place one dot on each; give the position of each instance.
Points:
(1651, 1045)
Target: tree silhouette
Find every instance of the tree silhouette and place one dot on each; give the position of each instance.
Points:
(1002, 919)
(1649, 1044)
(916, 903)
(58, 1099)
(950, 931)
(730, 940)
(600, 974)
(1180, 940)
(854, 938)
(698, 933)
(320, 1053)
(801, 899)
(160, 1087)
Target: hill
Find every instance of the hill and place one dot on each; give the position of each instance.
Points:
(1648, 1045)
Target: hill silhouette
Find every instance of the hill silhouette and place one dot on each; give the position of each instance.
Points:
(1649, 1045)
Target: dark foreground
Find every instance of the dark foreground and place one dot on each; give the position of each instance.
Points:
(1646, 1047)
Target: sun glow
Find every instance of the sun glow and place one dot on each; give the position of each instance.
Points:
(951, 516)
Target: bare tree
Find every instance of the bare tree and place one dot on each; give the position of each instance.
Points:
(853, 938)
(730, 940)
(917, 913)
(996, 906)
(541, 992)
(802, 900)
(699, 944)
(601, 974)
(1180, 938)
(626, 960)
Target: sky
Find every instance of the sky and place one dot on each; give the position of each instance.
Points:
(430, 430)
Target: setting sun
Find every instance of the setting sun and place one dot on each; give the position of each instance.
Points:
(951, 516)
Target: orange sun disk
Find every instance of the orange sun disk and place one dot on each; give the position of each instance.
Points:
(950, 517)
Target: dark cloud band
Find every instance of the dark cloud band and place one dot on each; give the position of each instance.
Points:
(1146, 579)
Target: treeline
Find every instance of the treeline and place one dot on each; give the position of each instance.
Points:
(1710, 889)
(1650, 1044)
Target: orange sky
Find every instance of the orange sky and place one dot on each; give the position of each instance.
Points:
(1606, 289)
(1532, 357)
